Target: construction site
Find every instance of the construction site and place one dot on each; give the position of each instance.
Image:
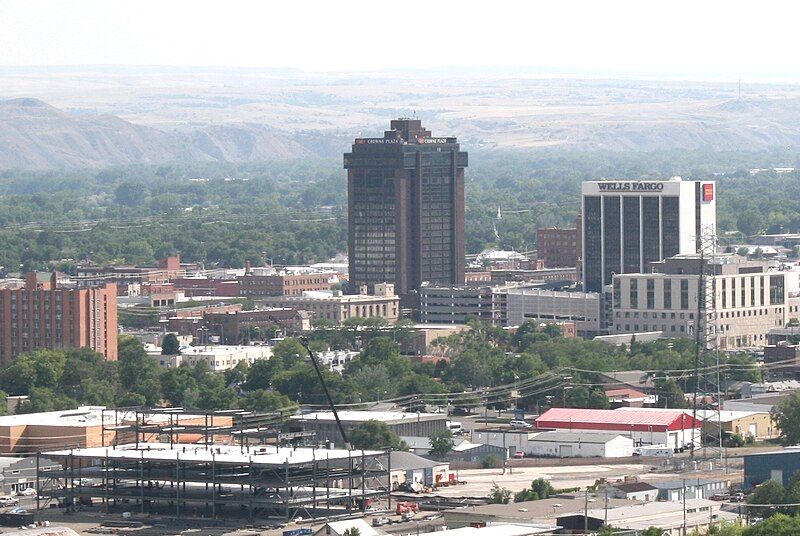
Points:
(212, 465)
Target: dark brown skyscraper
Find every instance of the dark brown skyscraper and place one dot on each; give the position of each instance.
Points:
(406, 209)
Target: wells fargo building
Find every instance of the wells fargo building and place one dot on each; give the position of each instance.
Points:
(627, 225)
(406, 209)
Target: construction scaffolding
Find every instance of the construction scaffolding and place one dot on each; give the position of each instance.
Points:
(213, 481)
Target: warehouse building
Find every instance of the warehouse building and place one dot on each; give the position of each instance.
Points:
(778, 466)
(750, 423)
(323, 423)
(643, 426)
(579, 444)
(693, 488)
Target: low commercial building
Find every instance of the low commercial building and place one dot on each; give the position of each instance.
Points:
(544, 511)
(19, 474)
(323, 423)
(125, 275)
(693, 488)
(336, 360)
(264, 282)
(670, 517)
(218, 357)
(783, 360)
(336, 307)
(579, 444)
(545, 276)
(631, 398)
(751, 298)
(583, 308)
(756, 424)
(778, 466)
(643, 426)
(85, 426)
(467, 451)
(408, 467)
(239, 327)
(634, 491)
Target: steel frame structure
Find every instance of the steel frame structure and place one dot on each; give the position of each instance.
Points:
(217, 480)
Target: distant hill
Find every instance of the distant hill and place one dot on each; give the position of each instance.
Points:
(37, 136)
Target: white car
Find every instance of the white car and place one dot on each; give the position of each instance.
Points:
(520, 425)
(27, 492)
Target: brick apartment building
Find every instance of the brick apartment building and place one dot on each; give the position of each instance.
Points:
(252, 285)
(44, 315)
(559, 248)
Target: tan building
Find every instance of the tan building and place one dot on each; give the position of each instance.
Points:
(751, 298)
(337, 307)
(83, 427)
(755, 424)
(284, 283)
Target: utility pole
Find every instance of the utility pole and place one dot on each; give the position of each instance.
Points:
(684, 506)
(586, 513)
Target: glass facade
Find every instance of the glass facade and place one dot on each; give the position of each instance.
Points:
(651, 231)
(374, 226)
(631, 245)
(592, 242)
(611, 238)
(671, 227)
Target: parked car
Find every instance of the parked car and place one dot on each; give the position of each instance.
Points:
(519, 454)
(27, 492)
(8, 500)
(520, 425)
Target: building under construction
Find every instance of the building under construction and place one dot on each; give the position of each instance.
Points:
(216, 480)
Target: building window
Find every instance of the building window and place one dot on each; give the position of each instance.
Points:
(684, 293)
(667, 294)
(651, 294)
(617, 294)
(634, 293)
(724, 293)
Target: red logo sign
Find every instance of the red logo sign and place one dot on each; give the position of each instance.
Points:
(708, 191)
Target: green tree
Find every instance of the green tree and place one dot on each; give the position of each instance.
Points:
(777, 525)
(653, 531)
(499, 495)
(787, 418)
(262, 400)
(170, 345)
(770, 492)
(352, 531)
(374, 434)
(441, 443)
(670, 394)
(289, 351)
(42, 369)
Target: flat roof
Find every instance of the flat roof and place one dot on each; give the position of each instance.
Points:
(262, 455)
(500, 529)
(629, 417)
(391, 417)
(549, 508)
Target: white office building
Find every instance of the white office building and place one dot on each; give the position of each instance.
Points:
(629, 224)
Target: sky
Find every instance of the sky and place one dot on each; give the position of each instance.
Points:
(644, 36)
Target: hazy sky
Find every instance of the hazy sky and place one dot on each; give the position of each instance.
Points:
(643, 36)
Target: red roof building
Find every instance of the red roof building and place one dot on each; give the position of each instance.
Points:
(645, 427)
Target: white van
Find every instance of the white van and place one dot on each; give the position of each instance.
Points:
(8, 500)
(455, 427)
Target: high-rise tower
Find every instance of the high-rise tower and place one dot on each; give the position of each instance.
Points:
(406, 209)
(629, 224)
